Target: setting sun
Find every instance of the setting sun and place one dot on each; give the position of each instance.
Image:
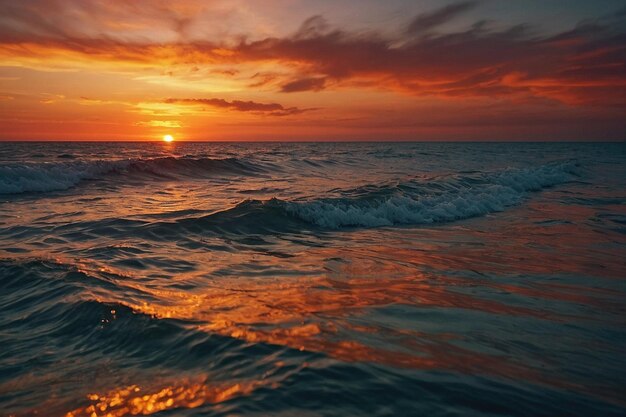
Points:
(168, 138)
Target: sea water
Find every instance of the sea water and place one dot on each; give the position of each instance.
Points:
(312, 279)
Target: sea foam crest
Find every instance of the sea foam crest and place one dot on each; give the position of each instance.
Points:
(460, 199)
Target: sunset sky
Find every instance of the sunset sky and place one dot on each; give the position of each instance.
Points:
(313, 70)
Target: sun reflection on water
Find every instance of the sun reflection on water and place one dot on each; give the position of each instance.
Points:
(134, 400)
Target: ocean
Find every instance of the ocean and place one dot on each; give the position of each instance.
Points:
(312, 279)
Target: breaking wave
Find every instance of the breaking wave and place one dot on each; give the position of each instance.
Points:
(409, 203)
(434, 202)
(414, 202)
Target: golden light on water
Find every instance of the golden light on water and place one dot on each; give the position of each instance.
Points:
(133, 400)
(168, 138)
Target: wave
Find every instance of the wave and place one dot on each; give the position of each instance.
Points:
(57, 176)
(413, 202)
(87, 320)
(71, 302)
(42, 177)
(416, 202)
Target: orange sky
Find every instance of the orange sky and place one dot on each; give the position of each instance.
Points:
(296, 70)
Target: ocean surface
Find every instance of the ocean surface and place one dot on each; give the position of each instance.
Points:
(339, 279)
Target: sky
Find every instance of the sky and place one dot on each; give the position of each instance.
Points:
(221, 70)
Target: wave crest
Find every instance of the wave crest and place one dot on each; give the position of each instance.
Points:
(408, 203)
(57, 176)
(435, 202)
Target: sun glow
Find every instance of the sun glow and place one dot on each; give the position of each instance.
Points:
(168, 138)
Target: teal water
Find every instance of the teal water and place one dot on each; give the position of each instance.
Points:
(312, 279)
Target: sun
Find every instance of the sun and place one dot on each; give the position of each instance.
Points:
(168, 138)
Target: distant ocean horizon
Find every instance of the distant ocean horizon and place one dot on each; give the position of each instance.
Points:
(316, 141)
(305, 278)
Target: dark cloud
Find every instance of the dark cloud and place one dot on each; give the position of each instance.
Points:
(304, 84)
(427, 21)
(312, 27)
(586, 65)
(263, 79)
(575, 67)
(271, 109)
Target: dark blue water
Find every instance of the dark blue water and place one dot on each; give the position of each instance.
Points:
(312, 279)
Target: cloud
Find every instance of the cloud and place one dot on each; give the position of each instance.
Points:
(427, 21)
(161, 21)
(160, 123)
(51, 98)
(88, 101)
(575, 67)
(304, 84)
(270, 109)
(313, 27)
(583, 66)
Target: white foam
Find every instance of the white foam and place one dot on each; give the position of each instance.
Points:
(494, 193)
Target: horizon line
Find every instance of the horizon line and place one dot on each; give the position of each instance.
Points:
(603, 140)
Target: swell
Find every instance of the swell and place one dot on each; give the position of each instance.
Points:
(56, 176)
(416, 202)
(441, 200)
(92, 311)
(412, 202)
(54, 313)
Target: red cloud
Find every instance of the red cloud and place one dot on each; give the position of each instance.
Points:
(574, 67)
(584, 66)
(272, 109)
(304, 84)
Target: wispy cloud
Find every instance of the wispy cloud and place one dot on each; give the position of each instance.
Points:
(160, 123)
(585, 65)
(47, 98)
(431, 20)
(271, 109)
(575, 67)
(304, 84)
